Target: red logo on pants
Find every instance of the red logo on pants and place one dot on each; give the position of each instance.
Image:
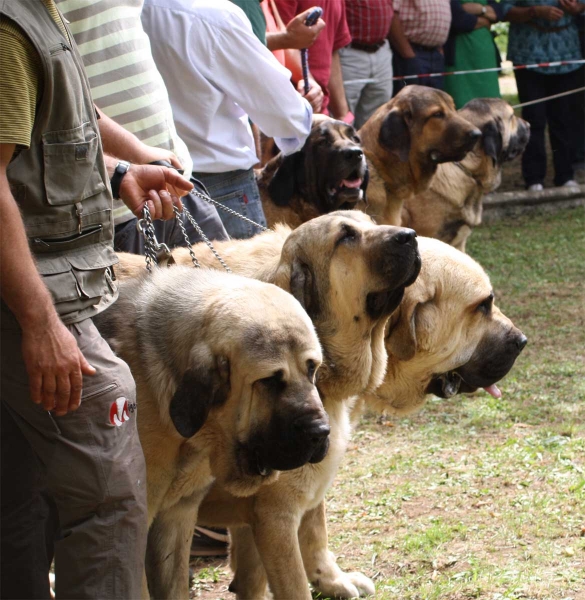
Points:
(119, 412)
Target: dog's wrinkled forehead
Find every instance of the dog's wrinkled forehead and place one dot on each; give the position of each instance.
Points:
(420, 99)
(270, 342)
(328, 132)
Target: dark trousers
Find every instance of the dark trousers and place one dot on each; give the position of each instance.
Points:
(558, 114)
(427, 60)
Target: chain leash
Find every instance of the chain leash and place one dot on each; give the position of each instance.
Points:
(201, 234)
(228, 210)
(152, 247)
(184, 232)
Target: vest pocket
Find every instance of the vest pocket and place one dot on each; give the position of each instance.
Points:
(71, 170)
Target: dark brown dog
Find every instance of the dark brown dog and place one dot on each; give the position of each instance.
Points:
(404, 142)
(328, 174)
(452, 206)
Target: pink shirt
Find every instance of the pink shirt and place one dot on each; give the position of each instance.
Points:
(425, 22)
(335, 35)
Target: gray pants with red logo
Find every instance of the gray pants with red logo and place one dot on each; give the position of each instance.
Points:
(73, 485)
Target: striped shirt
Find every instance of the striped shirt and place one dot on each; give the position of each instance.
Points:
(125, 82)
(369, 20)
(425, 22)
(21, 79)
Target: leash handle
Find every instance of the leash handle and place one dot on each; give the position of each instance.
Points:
(311, 19)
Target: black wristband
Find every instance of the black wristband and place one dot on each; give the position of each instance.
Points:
(121, 169)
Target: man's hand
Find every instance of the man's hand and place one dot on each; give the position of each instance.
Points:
(147, 154)
(157, 187)
(55, 365)
(548, 13)
(298, 35)
(572, 7)
(314, 96)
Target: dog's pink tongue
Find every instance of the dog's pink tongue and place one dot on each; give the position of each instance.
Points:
(353, 183)
(493, 390)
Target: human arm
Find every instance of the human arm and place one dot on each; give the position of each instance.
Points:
(263, 91)
(476, 9)
(159, 187)
(296, 34)
(119, 142)
(398, 40)
(524, 14)
(338, 106)
(572, 7)
(54, 363)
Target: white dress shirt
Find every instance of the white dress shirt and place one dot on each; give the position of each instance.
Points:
(217, 73)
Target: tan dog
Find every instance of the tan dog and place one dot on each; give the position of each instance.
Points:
(225, 393)
(328, 174)
(404, 141)
(350, 275)
(447, 337)
(452, 206)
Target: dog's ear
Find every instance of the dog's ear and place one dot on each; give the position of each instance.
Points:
(402, 336)
(304, 287)
(284, 184)
(200, 389)
(394, 134)
(491, 139)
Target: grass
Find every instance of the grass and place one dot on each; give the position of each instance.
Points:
(475, 497)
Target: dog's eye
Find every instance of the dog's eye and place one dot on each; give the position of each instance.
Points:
(485, 307)
(311, 369)
(348, 234)
(276, 380)
(439, 114)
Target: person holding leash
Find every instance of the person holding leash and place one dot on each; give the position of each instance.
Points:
(69, 439)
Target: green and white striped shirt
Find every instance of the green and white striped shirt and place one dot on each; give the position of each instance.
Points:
(125, 82)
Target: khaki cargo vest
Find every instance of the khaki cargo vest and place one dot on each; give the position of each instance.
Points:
(60, 183)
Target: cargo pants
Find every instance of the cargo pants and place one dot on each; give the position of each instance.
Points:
(85, 468)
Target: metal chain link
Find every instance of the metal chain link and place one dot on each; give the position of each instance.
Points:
(146, 227)
(151, 245)
(184, 232)
(228, 210)
(203, 236)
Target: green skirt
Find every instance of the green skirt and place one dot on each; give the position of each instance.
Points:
(473, 50)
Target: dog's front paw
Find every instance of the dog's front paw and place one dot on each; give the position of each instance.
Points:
(345, 585)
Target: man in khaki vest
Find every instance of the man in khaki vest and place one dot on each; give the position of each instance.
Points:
(69, 439)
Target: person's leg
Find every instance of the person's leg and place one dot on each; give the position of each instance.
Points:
(238, 191)
(28, 531)
(355, 67)
(531, 86)
(380, 91)
(430, 60)
(95, 469)
(561, 124)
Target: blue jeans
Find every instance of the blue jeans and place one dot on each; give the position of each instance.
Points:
(427, 60)
(236, 190)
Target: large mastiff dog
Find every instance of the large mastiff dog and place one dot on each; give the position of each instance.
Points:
(225, 369)
(349, 275)
(404, 142)
(329, 173)
(452, 206)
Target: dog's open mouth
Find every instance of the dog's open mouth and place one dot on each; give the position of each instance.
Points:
(349, 188)
(447, 385)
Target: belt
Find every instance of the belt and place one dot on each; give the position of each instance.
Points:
(370, 48)
(546, 29)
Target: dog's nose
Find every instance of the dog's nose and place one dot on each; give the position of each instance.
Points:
(404, 236)
(314, 430)
(352, 153)
(521, 342)
(474, 135)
